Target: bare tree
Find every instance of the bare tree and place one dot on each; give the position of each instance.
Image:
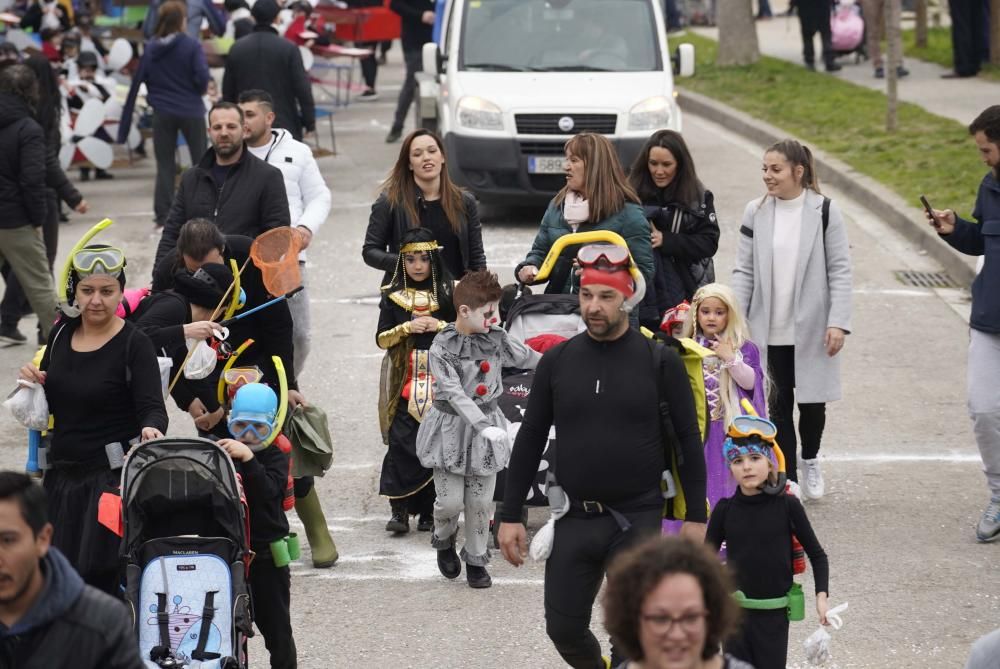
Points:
(894, 57)
(737, 33)
(921, 32)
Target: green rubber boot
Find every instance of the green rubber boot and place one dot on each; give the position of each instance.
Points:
(324, 551)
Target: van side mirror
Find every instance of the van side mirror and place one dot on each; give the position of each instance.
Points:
(683, 60)
(431, 59)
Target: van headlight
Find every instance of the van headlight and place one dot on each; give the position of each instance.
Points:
(479, 114)
(650, 114)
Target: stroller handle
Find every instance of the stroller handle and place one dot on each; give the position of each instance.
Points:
(591, 237)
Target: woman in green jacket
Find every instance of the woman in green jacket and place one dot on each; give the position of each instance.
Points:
(597, 196)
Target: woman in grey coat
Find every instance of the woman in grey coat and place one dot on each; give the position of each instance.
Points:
(793, 280)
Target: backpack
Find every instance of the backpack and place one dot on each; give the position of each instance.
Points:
(692, 354)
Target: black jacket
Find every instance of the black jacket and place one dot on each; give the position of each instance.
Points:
(252, 200)
(265, 480)
(697, 239)
(415, 33)
(22, 165)
(70, 624)
(265, 60)
(387, 225)
(983, 240)
(270, 328)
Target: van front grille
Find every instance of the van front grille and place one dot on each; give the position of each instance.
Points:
(548, 124)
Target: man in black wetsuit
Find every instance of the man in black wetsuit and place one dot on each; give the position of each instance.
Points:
(600, 391)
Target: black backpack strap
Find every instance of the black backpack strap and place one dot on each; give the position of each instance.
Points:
(826, 216)
(163, 622)
(206, 626)
(669, 436)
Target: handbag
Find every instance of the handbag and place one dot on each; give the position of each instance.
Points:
(312, 447)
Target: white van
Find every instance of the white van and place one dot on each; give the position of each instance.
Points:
(511, 80)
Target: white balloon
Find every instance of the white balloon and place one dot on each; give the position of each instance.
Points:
(89, 119)
(120, 54)
(66, 155)
(307, 58)
(97, 151)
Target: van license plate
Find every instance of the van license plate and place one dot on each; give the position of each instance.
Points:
(546, 164)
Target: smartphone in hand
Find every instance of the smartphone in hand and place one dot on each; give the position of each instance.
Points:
(936, 222)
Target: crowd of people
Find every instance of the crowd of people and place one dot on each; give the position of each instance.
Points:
(709, 459)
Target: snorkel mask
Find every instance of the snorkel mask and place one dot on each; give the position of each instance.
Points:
(753, 435)
(90, 261)
(254, 412)
(611, 265)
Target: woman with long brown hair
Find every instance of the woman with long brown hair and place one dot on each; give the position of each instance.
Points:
(597, 196)
(419, 193)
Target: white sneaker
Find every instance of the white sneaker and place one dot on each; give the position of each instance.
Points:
(813, 487)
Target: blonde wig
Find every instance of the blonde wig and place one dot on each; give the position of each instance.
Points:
(737, 333)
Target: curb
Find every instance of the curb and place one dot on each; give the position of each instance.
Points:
(885, 204)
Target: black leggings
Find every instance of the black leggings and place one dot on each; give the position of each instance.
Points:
(812, 417)
(270, 592)
(762, 640)
(581, 552)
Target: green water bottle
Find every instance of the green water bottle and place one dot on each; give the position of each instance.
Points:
(796, 603)
(294, 549)
(279, 553)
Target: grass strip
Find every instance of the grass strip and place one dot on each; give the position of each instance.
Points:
(938, 50)
(928, 155)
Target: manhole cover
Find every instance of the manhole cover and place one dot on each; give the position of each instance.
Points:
(925, 279)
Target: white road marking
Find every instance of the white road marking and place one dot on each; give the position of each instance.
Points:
(895, 292)
(894, 457)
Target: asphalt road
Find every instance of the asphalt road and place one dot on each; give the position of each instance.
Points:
(903, 477)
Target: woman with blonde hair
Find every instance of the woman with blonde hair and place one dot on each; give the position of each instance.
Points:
(419, 193)
(597, 196)
(793, 280)
(734, 373)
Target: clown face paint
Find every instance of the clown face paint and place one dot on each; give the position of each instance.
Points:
(478, 320)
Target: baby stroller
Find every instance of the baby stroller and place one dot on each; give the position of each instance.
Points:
(847, 30)
(186, 547)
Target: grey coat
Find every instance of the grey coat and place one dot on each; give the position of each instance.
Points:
(822, 291)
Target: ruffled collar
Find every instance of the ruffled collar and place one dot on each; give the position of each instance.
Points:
(476, 346)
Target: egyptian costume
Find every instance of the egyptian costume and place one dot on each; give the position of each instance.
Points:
(405, 393)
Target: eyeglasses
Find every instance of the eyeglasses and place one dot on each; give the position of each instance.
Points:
(110, 260)
(238, 428)
(603, 255)
(662, 623)
(242, 375)
(750, 426)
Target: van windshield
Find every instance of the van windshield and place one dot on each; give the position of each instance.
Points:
(559, 35)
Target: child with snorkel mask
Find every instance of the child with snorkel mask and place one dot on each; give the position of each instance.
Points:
(264, 468)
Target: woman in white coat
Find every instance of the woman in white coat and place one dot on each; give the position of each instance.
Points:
(793, 280)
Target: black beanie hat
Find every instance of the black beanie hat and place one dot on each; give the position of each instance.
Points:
(204, 287)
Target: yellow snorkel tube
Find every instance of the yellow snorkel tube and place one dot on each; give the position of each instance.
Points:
(229, 365)
(282, 400)
(62, 288)
(234, 302)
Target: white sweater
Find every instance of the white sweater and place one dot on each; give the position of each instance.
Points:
(308, 195)
(787, 235)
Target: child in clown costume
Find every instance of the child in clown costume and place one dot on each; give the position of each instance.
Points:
(732, 374)
(264, 471)
(415, 306)
(464, 436)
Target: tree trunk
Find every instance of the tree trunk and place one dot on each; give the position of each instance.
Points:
(737, 34)
(921, 32)
(995, 32)
(894, 58)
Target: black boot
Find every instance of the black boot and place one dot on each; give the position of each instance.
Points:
(399, 522)
(425, 522)
(477, 577)
(448, 563)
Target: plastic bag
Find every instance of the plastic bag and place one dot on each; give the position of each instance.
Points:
(202, 360)
(29, 406)
(166, 364)
(541, 544)
(817, 646)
